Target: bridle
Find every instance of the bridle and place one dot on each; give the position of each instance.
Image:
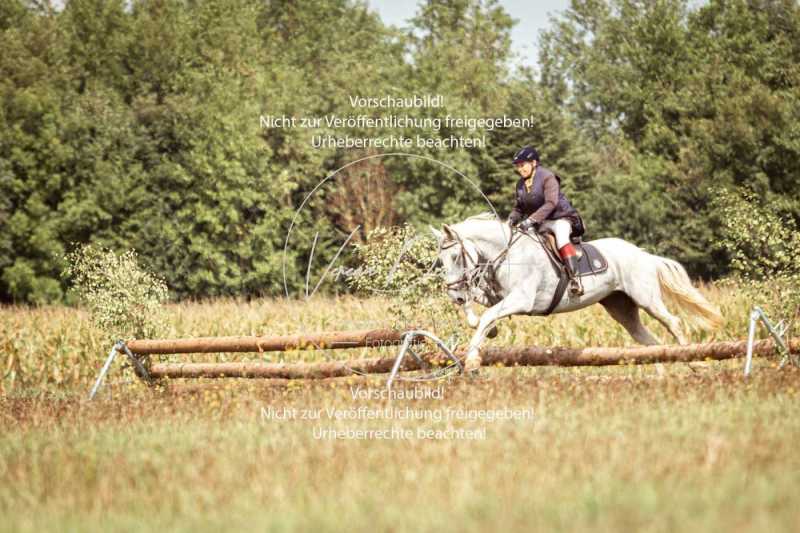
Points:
(471, 277)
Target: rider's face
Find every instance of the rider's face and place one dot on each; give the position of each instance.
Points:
(525, 168)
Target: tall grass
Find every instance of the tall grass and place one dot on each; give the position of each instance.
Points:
(58, 349)
(686, 451)
(608, 449)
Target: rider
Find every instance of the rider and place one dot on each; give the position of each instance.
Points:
(540, 203)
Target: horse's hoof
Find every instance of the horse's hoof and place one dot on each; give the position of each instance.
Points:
(492, 333)
(472, 366)
(472, 319)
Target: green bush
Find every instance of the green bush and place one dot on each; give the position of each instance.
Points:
(762, 246)
(401, 264)
(25, 286)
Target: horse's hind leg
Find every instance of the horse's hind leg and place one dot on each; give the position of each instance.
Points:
(624, 310)
(659, 311)
(648, 297)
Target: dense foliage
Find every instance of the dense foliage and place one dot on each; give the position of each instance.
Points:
(763, 245)
(135, 124)
(681, 100)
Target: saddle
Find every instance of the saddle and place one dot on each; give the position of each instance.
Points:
(590, 260)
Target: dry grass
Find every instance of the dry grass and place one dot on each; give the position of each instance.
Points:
(57, 349)
(608, 449)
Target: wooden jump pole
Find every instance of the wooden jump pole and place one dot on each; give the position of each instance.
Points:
(536, 356)
(316, 341)
(520, 356)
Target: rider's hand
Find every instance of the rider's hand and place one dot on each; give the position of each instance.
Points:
(528, 224)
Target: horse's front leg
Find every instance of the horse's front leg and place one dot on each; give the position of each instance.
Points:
(514, 303)
(472, 319)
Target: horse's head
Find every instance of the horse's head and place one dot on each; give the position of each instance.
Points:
(460, 259)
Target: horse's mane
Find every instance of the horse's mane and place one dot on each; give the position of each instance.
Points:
(482, 224)
(486, 215)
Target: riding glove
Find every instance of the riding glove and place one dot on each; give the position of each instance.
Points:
(527, 224)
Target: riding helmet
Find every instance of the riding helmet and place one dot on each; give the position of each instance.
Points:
(528, 153)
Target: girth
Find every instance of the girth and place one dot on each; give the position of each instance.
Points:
(555, 261)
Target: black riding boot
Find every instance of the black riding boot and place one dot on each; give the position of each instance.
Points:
(575, 286)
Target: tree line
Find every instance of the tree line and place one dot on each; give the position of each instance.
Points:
(135, 124)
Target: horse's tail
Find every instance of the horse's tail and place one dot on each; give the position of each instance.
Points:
(677, 287)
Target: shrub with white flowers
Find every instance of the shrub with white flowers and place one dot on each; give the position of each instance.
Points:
(123, 300)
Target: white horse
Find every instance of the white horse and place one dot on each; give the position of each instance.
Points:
(480, 267)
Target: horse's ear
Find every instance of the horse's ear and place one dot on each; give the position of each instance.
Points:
(449, 233)
(436, 233)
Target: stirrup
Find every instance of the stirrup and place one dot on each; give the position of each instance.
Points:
(575, 286)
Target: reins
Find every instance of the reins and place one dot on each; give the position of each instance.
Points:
(478, 272)
(470, 274)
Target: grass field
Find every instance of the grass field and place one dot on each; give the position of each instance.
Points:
(606, 448)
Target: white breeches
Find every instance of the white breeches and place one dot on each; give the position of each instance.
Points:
(562, 228)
